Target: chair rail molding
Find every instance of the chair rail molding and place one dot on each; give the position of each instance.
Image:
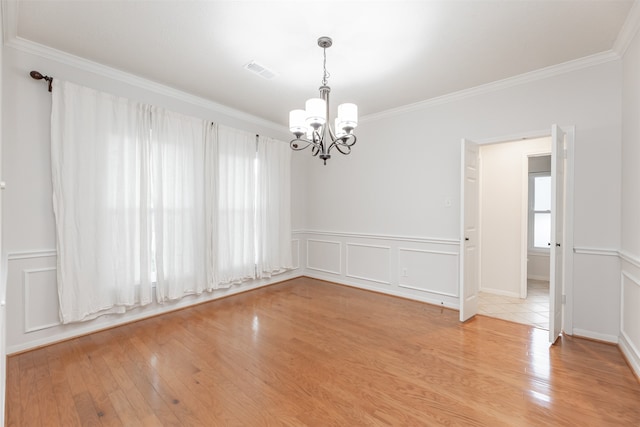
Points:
(390, 237)
(596, 251)
(36, 253)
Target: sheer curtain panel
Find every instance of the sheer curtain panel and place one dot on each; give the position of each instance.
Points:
(236, 204)
(273, 211)
(99, 153)
(180, 166)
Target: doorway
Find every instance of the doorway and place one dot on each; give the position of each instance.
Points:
(499, 264)
(515, 200)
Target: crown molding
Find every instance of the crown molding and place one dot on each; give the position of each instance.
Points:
(532, 76)
(131, 79)
(629, 29)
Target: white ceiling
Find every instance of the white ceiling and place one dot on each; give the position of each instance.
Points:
(386, 54)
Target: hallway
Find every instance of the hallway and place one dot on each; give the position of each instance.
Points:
(534, 310)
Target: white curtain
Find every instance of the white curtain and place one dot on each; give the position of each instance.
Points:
(180, 166)
(99, 149)
(273, 211)
(142, 194)
(235, 228)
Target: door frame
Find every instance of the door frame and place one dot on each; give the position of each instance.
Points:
(569, 209)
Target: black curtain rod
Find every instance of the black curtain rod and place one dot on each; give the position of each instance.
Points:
(39, 76)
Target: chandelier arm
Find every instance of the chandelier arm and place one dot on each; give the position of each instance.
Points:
(347, 140)
(345, 151)
(342, 144)
(333, 144)
(318, 148)
(299, 144)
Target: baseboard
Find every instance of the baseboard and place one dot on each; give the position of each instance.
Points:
(534, 277)
(500, 292)
(630, 353)
(613, 339)
(433, 300)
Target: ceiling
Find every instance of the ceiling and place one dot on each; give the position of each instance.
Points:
(385, 54)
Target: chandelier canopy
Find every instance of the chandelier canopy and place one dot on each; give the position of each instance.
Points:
(312, 126)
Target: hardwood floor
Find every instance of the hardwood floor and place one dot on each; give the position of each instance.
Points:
(306, 352)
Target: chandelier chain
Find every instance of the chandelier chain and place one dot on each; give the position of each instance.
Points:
(326, 75)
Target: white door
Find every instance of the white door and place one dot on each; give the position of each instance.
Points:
(557, 232)
(469, 243)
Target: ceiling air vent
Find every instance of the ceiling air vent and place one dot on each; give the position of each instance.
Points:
(260, 70)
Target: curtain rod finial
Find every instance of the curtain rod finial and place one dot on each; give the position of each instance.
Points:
(39, 76)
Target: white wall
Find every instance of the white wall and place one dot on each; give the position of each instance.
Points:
(630, 245)
(538, 266)
(504, 209)
(406, 166)
(28, 241)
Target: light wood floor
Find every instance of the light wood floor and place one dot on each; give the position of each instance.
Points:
(306, 352)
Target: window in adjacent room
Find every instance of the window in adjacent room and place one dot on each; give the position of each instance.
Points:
(539, 210)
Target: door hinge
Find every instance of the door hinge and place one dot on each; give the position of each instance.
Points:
(564, 299)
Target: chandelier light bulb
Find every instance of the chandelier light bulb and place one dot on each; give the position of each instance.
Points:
(316, 115)
(297, 122)
(348, 115)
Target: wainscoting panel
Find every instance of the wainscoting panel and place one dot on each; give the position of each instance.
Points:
(415, 267)
(369, 262)
(429, 270)
(295, 253)
(40, 299)
(594, 294)
(324, 255)
(630, 319)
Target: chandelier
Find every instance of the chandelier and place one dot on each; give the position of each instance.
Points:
(312, 127)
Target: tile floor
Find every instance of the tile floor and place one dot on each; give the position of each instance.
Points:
(534, 310)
